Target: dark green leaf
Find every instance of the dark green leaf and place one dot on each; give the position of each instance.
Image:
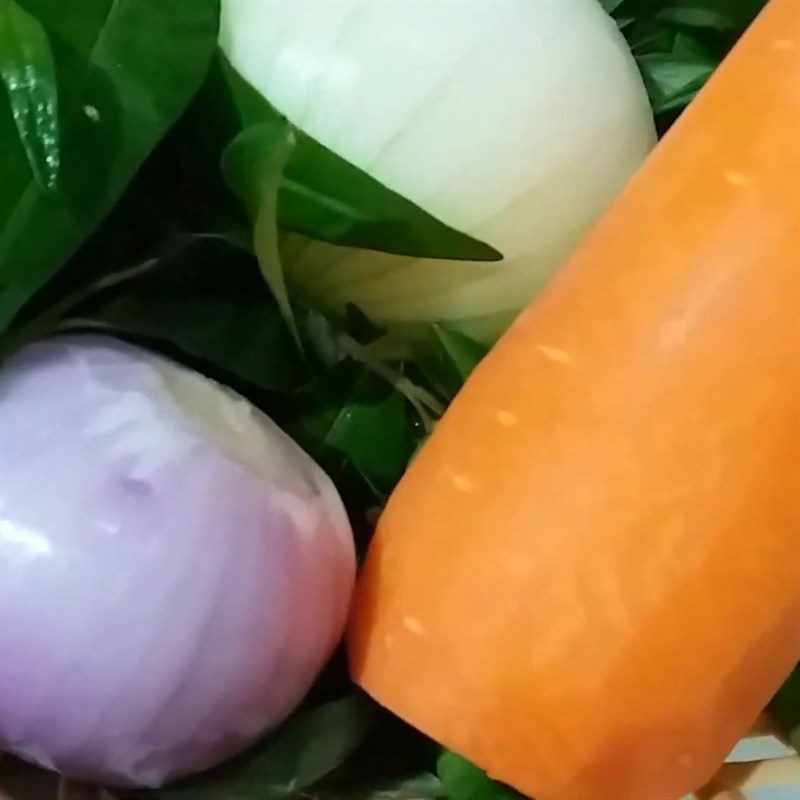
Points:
(204, 303)
(78, 30)
(126, 69)
(464, 353)
(673, 79)
(28, 72)
(304, 750)
(464, 781)
(325, 197)
(650, 36)
(395, 763)
(351, 416)
(730, 16)
(690, 47)
(416, 787)
(786, 708)
(698, 15)
(448, 357)
(238, 101)
(679, 43)
(420, 786)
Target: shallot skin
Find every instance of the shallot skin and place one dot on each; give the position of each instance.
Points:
(174, 570)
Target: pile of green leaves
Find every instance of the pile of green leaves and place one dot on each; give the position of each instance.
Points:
(138, 172)
(678, 44)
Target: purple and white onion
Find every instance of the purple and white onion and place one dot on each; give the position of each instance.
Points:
(175, 570)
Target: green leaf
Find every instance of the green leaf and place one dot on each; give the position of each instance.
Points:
(78, 30)
(239, 102)
(651, 36)
(125, 70)
(448, 357)
(464, 353)
(253, 162)
(325, 197)
(698, 15)
(464, 781)
(304, 750)
(253, 165)
(205, 303)
(28, 72)
(352, 416)
(673, 79)
(785, 706)
(420, 786)
(687, 46)
(416, 787)
(679, 43)
(727, 17)
(395, 763)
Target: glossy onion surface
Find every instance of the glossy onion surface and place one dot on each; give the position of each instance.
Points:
(175, 570)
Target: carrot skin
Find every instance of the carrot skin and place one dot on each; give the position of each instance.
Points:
(588, 582)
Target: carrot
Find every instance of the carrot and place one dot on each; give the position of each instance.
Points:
(588, 581)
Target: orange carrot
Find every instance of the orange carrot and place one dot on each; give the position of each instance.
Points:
(588, 582)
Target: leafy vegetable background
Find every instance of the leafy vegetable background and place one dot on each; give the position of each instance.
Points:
(153, 209)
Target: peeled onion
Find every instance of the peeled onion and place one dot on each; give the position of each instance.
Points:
(175, 570)
(512, 120)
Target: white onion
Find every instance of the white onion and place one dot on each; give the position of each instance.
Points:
(175, 570)
(516, 121)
